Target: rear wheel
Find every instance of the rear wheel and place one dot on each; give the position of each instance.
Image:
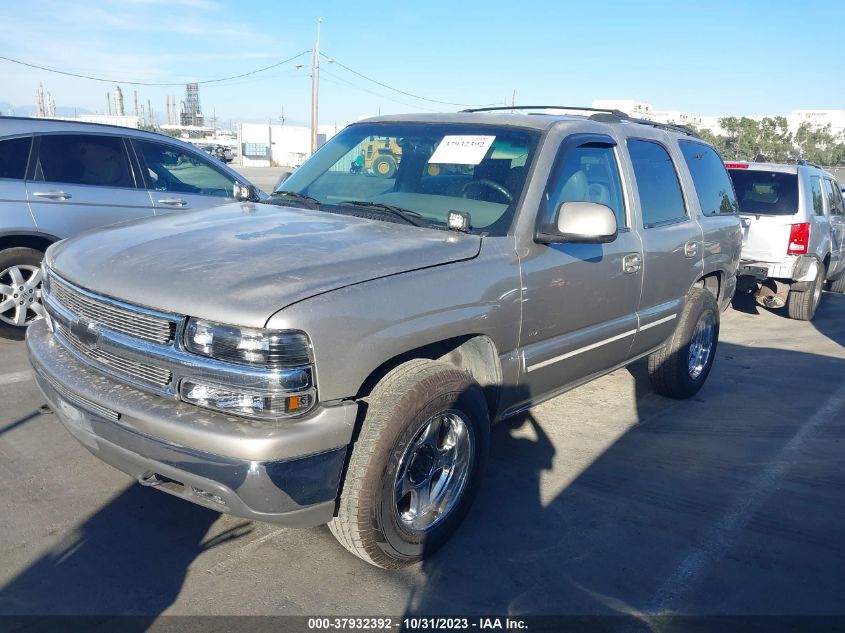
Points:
(416, 465)
(679, 369)
(20, 290)
(801, 305)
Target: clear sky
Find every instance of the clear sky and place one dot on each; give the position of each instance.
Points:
(717, 57)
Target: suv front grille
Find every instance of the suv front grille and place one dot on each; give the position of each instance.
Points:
(154, 376)
(115, 317)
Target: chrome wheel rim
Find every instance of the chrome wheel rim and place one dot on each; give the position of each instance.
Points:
(433, 471)
(20, 295)
(817, 290)
(701, 344)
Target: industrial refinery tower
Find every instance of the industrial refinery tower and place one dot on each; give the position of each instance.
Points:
(44, 104)
(191, 111)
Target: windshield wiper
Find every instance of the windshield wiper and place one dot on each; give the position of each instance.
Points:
(411, 217)
(312, 203)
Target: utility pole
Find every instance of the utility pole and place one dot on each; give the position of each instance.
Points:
(315, 87)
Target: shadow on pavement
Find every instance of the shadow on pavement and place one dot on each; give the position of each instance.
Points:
(19, 422)
(727, 503)
(828, 319)
(130, 558)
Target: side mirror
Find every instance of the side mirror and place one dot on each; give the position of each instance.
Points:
(282, 177)
(584, 222)
(245, 193)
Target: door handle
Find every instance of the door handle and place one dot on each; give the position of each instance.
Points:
(691, 249)
(173, 202)
(632, 262)
(56, 194)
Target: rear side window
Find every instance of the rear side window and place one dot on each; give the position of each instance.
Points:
(14, 154)
(661, 199)
(818, 201)
(712, 183)
(83, 159)
(765, 192)
(587, 173)
(834, 197)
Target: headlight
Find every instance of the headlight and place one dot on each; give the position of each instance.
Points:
(284, 355)
(249, 346)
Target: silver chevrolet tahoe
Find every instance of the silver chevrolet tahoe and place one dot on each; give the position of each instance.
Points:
(338, 354)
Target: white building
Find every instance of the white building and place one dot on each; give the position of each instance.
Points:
(644, 110)
(633, 107)
(261, 144)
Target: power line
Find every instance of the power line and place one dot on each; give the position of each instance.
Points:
(372, 92)
(407, 94)
(151, 83)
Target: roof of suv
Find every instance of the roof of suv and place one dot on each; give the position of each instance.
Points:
(784, 168)
(11, 125)
(540, 118)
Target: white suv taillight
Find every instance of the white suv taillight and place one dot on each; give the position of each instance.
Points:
(799, 238)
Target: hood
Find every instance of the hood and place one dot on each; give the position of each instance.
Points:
(240, 263)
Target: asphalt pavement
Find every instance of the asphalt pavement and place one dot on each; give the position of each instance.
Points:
(606, 500)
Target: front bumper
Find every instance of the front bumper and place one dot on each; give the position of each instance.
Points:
(285, 472)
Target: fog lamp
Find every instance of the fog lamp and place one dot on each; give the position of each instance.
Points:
(245, 403)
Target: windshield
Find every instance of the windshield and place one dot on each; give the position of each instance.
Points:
(765, 192)
(423, 169)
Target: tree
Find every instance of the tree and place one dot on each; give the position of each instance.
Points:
(820, 145)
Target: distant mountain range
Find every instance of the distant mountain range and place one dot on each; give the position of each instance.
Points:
(7, 109)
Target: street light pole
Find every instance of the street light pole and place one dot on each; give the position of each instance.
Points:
(315, 88)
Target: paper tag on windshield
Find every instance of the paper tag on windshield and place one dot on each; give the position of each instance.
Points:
(462, 150)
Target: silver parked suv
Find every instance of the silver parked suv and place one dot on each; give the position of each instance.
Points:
(338, 355)
(793, 234)
(59, 178)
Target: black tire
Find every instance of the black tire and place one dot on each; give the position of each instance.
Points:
(837, 286)
(15, 257)
(669, 368)
(801, 305)
(384, 166)
(367, 521)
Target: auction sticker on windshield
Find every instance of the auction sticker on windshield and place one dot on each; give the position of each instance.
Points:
(462, 150)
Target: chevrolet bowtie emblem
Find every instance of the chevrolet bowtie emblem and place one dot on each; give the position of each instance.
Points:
(84, 333)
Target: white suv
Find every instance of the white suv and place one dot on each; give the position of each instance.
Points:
(793, 236)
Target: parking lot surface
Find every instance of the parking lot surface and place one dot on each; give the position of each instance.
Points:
(606, 500)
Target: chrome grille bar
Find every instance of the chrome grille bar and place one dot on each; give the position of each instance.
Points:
(115, 317)
(155, 376)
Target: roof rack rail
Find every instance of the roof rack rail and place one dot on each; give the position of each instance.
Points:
(672, 127)
(617, 113)
(809, 164)
(605, 115)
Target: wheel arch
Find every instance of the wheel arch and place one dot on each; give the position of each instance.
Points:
(712, 281)
(38, 241)
(476, 354)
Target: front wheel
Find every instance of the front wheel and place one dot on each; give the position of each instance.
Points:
(416, 465)
(679, 369)
(384, 166)
(20, 290)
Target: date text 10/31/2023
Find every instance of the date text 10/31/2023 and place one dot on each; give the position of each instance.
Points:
(415, 624)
